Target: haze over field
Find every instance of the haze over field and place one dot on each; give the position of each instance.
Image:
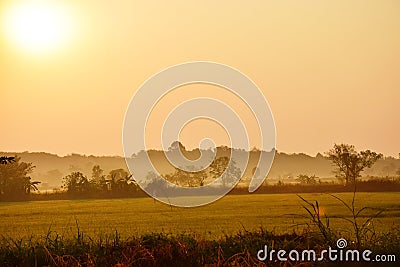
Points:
(329, 70)
(199, 133)
(50, 168)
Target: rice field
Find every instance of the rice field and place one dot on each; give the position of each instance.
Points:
(281, 213)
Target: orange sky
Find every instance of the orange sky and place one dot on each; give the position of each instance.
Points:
(329, 70)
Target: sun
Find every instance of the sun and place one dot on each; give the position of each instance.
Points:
(37, 26)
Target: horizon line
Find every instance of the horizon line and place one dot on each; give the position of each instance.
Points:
(153, 149)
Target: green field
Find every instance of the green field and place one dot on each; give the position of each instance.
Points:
(135, 216)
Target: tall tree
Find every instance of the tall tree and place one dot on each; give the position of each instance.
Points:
(76, 182)
(30, 186)
(192, 178)
(222, 167)
(97, 173)
(120, 180)
(14, 179)
(305, 179)
(351, 163)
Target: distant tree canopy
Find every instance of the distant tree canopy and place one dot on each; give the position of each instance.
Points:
(190, 178)
(117, 181)
(351, 163)
(76, 182)
(221, 167)
(305, 179)
(14, 180)
(120, 180)
(97, 173)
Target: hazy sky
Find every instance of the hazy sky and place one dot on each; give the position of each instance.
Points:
(330, 70)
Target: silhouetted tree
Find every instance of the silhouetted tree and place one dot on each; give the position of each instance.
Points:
(14, 179)
(120, 180)
(98, 180)
(305, 179)
(97, 173)
(30, 185)
(190, 178)
(351, 163)
(178, 177)
(200, 177)
(76, 182)
(228, 172)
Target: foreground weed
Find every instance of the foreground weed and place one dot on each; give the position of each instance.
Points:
(320, 220)
(363, 232)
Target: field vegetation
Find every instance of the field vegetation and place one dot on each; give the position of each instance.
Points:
(106, 220)
(139, 231)
(135, 216)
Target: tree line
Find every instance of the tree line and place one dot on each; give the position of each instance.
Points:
(15, 182)
(117, 182)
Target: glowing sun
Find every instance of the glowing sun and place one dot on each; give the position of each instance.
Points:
(37, 26)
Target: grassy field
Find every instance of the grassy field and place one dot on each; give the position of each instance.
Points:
(274, 212)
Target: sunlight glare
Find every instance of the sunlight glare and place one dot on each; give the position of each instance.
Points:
(37, 26)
